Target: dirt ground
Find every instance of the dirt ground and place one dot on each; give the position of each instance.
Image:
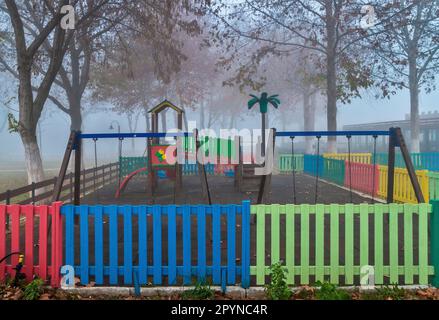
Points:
(223, 191)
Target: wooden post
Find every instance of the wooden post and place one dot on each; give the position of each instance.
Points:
(179, 173)
(409, 165)
(391, 166)
(266, 179)
(64, 166)
(78, 150)
(202, 171)
(150, 172)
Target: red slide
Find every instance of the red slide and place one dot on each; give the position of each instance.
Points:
(126, 180)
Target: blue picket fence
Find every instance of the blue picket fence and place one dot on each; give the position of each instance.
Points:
(152, 257)
(421, 161)
(192, 169)
(310, 165)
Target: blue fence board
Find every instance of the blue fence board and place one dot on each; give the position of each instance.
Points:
(113, 246)
(84, 245)
(157, 238)
(99, 240)
(313, 164)
(187, 257)
(128, 244)
(172, 245)
(216, 243)
(143, 246)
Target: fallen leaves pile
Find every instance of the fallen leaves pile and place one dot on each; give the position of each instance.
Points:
(304, 293)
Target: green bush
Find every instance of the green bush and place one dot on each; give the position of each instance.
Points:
(278, 288)
(200, 292)
(33, 290)
(390, 293)
(330, 291)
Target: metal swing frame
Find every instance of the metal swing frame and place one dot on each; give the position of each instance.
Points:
(75, 144)
(396, 139)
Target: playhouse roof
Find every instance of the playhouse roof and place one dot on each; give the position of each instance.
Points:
(165, 105)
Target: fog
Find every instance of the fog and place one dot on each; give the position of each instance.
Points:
(55, 127)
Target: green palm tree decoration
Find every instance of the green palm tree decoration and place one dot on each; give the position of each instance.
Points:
(263, 102)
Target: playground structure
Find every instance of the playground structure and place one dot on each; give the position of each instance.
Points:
(315, 242)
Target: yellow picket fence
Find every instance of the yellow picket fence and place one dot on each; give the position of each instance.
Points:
(365, 158)
(403, 189)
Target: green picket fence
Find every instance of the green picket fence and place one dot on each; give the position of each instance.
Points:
(334, 171)
(286, 163)
(433, 178)
(213, 147)
(130, 164)
(335, 242)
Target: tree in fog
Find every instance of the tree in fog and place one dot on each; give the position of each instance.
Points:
(330, 29)
(35, 71)
(407, 53)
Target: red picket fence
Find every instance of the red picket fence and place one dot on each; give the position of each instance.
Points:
(363, 178)
(24, 229)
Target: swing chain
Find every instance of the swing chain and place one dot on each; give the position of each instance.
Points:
(317, 169)
(375, 137)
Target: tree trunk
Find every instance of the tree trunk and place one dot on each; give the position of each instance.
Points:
(415, 146)
(202, 117)
(309, 119)
(75, 114)
(331, 76)
(264, 125)
(34, 163)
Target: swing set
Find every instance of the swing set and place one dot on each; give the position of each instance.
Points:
(396, 139)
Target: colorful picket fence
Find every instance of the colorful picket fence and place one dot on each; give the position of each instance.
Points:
(403, 189)
(433, 178)
(286, 163)
(365, 178)
(400, 242)
(154, 257)
(353, 157)
(213, 147)
(421, 161)
(321, 243)
(334, 170)
(313, 164)
(43, 257)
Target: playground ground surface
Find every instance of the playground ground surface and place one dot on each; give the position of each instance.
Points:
(223, 191)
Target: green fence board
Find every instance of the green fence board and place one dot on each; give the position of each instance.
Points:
(320, 243)
(379, 244)
(393, 242)
(289, 247)
(364, 235)
(260, 245)
(349, 244)
(423, 245)
(335, 250)
(304, 243)
(275, 234)
(408, 243)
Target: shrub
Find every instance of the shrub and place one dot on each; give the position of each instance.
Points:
(278, 288)
(330, 291)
